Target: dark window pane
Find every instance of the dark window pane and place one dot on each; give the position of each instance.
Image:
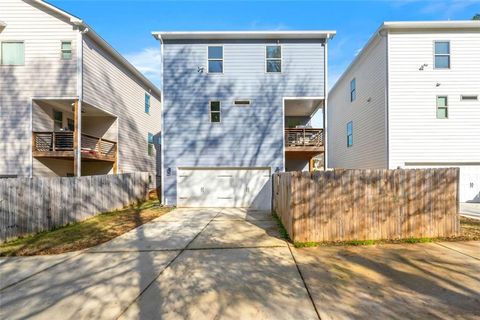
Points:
(349, 128)
(215, 66)
(57, 115)
(442, 62)
(274, 66)
(274, 52)
(70, 124)
(215, 116)
(215, 52)
(442, 48)
(349, 141)
(215, 105)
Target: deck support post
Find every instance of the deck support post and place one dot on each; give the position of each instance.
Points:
(77, 150)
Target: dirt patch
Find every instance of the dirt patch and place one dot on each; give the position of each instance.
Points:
(85, 234)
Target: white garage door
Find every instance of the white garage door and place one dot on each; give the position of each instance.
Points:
(212, 187)
(470, 184)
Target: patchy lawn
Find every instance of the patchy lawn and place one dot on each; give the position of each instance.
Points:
(84, 234)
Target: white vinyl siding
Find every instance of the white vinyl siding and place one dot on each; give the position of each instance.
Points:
(43, 73)
(367, 112)
(111, 87)
(416, 135)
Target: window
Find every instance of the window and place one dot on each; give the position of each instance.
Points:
(242, 103)
(215, 59)
(442, 55)
(469, 97)
(353, 90)
(442, 107)
(70, 124)
(150, 144)
(350, 134)
(273, 56)
(66, 49)
(57, 120)
(214, 111)
(13, 53)
(147, 103)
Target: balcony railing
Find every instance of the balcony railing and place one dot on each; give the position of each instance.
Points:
(303, 137)
(60, 144)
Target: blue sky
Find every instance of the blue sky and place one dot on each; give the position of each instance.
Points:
(127, 24)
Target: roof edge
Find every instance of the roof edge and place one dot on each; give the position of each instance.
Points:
(267, 34)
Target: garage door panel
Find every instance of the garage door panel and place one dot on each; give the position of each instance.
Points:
(224, 188)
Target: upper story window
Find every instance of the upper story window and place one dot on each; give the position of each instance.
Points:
(57, 120)
(350, 134)
(150, 144)
(215, 59)
(353, 90)
(215, 111)
(273, 56)
(442, 54)
(147, 103)
(66, 49)
(442, 107)
(13, 53)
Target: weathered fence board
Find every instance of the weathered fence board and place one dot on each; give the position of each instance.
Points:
(30, 205)
(344, 205)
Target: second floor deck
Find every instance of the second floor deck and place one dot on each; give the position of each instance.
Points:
(304, 140)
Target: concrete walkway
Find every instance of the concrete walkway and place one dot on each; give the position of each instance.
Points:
(232, 264)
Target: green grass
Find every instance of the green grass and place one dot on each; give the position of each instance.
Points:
(281, 229)
(84, 234)
(361, 242)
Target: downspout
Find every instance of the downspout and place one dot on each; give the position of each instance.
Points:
(384, 34)
(325, 105)
(78, 168)
(162, 126)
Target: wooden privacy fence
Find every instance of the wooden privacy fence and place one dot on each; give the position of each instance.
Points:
(30, 205)
(344, 205)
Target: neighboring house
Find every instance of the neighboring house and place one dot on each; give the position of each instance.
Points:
(411, 99)
(237, 107)
(70, 104)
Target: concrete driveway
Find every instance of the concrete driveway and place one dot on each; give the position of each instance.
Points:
(230, 263)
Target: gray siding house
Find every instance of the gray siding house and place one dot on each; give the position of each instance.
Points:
(70, 103)
(237, 107)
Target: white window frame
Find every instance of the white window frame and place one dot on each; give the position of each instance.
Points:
(61, 50)
(354, 80)
(1, 51)
(219, 110)
(445, 107)
(281, 58)
(442, 54)
(223, 59)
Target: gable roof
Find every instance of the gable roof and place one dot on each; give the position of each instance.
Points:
(409, 26)
(74, 20)
(214, 35)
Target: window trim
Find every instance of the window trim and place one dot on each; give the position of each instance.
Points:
(147, 110)
(150, 144)
(223, 58)
(348, 135)
(442, 54)
(1, 52)
(445, 107)
(61, 50)
(281, 57)
(354, 80)
(210, 110)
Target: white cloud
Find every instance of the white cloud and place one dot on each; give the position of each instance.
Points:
(147, 61)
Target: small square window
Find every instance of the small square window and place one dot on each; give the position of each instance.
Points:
(215, 59)
(273, 56)
(215, 111)
(66, 50)
(13, 53)
(442, 107)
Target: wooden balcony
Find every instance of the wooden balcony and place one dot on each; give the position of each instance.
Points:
(308, 140)
(60, 145)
